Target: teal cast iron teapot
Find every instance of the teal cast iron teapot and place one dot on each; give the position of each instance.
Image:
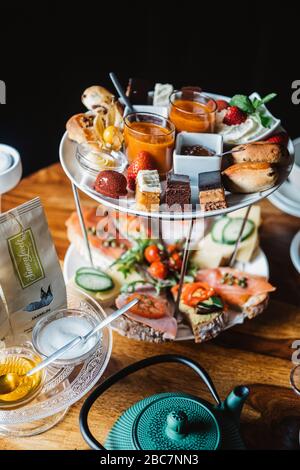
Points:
(171, 421)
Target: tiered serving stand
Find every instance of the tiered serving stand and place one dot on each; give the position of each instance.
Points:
(63, 387)
(82, 180)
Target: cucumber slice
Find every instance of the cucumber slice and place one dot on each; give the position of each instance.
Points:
(217, 229)
(232, 229)
(90, 270)
(93, 282)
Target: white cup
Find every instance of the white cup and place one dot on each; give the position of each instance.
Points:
(12, 175)
(294, 176)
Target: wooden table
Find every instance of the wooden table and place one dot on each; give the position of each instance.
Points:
(257, 353)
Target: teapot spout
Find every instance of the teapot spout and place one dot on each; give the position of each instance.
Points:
(235, 401)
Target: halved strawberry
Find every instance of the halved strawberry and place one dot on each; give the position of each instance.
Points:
(234, 116)
(222, 104)
(143, 161)
(279, 138)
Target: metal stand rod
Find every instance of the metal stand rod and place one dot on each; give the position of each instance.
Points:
(237, 243)
(82, 223)
(184, 263)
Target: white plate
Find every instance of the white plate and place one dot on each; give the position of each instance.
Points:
(85, 181)
(285, 200)
(295, 251)
(259, 266)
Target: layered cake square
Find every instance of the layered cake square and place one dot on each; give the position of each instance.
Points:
(148, 190)
(178, 191)
(211, 191)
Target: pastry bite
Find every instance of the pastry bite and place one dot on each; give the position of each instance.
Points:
(211, 191)
(96, 97)
(250, 177)
(102, 122)
(178, 190)
(80, 128)
(260, 152)
(148, 190)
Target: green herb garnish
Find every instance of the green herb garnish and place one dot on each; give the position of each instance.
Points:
(252, 106)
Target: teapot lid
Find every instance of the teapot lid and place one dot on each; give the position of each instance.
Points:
(168, 421)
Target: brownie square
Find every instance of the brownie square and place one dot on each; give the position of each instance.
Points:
(178, 190)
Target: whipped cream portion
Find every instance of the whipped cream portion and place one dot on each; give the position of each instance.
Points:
(243, 133)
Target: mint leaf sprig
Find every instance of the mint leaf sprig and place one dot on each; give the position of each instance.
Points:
(250, 106)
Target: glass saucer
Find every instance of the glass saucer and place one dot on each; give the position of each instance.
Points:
(61, 387)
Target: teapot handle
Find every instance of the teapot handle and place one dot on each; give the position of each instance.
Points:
(84, 412)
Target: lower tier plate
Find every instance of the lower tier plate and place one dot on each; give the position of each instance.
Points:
(259, 266)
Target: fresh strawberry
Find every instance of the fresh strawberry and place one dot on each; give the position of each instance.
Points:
(143, 161)
(279, 138)
(222, 104)
(234, 116)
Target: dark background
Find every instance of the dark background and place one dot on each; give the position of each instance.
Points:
(50, 52)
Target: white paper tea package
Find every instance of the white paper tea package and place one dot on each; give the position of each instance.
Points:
(30, 274)
(5, 329)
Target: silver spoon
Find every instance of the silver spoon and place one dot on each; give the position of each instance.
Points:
(240, 149)
(121, 92)
(10, 381)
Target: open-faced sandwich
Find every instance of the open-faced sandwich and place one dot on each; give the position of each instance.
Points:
(241, 291)
(106, 242)
(218, 245)
(150, 320)
(202, 308)
(205, 302)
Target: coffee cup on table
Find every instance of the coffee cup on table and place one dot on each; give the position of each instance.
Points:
(10, 168)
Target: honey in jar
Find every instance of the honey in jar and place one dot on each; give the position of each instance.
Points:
(27, 386)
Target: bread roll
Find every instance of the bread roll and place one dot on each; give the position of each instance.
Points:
(80, 128)
(97, 97)
(260, 152)
(250, 177)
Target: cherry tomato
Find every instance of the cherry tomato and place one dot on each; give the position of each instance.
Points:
(175, 261)
(152, 253)
(149, 306)
(158, 269)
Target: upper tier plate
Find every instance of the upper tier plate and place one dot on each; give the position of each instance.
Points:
(84, 181)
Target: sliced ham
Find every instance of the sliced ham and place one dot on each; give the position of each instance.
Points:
(235, 294)
(166, 324)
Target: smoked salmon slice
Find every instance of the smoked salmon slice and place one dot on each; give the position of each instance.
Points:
(235, 287)
(100, 229)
